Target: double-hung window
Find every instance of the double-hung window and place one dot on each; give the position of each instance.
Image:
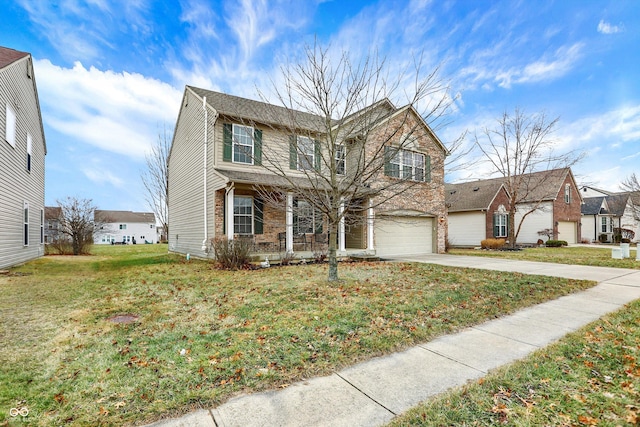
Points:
(341, 159)
(306, 153)
(10, 126)
(606, 224)
(242, 215)
(306, 219)
(406, 164)
(29, 148)
(242, 144)
(41, 226)
(500, 225)
(567, 193)
(26, 224)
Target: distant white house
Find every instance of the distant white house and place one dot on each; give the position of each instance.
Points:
(22, 155)
(125, 227)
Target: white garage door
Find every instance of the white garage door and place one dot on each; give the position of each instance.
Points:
(567, 231)
(467, 228)
(402, 235)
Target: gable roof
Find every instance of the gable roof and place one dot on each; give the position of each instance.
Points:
(52, 212)
(543, 185)
(471, 196)
(594, 206)
(124, 216)
(9, 56)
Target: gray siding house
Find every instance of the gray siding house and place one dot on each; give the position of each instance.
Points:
(22, 155)
(218, 180)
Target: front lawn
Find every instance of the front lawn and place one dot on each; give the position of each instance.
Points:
(200, 335)
(589, 378)
(577, 255)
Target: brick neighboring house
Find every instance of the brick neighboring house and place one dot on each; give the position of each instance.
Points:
(213, 182)
(22, 159)
(124, 227)
(552, 195)
(477, 210)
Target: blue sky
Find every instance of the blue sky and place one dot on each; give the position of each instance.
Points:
(111, 74)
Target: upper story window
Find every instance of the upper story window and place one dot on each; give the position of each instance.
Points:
(123, 226)
(567, 193)
(10, 126)
(241, 144)
(26, 224)
(341, 156)
(41, 225)
(407, 164)
(306, 153)
(29, 148)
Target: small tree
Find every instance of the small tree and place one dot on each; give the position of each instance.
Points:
(632, 185)
(155, 180)
(517, 147)
(77, 222)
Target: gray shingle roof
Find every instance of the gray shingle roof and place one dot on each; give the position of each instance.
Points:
(260, 112)
(468, 196)
(592, 205)
(617, 203)
(124, 216)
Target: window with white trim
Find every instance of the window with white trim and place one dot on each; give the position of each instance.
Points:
(10, 126)
(29, 148)
(567, 193)
(41, 226)
(341, 159)
(26, 224)
(242, 144)
(306, 219)
(405, 164)
(500, 226)
(606, 225)
(306, 153)
(242, 215)
(123, 226)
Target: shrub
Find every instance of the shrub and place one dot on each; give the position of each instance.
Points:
(319, 256)
(555, 243)
(492, 243)
(287, 258)
(231, 254)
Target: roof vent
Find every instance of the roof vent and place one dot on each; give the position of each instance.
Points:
(476, 189)
(452, 192)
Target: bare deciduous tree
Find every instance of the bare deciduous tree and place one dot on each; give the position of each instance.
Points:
(155, 180)
(77, 222)
(517, 147)
(351, 137)
(631, 184)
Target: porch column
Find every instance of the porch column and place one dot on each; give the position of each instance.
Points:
(289, 223)
(341, 234)
(370, 226)
(229, 206)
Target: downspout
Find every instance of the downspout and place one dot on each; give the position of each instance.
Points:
(206, 141)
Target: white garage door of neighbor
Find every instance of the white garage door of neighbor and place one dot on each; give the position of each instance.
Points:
(402, 235)
(467, 228)
(567, 231)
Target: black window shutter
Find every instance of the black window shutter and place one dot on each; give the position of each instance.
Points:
(258, 216)
(427, 168)
(293, 153)
(495, 225)
(387, 161)
(227, 143)
(257, 147)
(316, 155)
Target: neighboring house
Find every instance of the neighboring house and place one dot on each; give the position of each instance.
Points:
(552, 195)
(22, 156)
(604, 215)
(213, 183)
(124, 227)
(477, 210)
(52, 228)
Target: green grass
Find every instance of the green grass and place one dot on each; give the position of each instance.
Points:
(591, 377)
(240, 331)
(597, 256)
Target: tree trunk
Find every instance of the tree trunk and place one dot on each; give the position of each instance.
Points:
(333, 258)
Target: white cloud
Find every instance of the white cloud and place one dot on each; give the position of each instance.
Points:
(116, 112)
(606, 28)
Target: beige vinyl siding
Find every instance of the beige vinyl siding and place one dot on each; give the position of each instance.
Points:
(467, 228)
(186, 184)
(17, 185)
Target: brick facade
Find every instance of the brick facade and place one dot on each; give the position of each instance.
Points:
(501, 199)
(563, 211)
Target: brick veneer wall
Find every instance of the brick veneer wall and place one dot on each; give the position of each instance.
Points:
(501, 199)
(563, 211)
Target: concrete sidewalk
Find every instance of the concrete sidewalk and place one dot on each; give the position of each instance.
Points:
(374, 392)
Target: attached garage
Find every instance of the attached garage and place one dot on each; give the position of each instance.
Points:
(403, 235)
(567, 230)
(467, 228)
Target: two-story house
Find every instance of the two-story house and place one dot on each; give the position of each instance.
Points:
(22, 155)
(548, 200)
(218, 178)
(124, 227)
